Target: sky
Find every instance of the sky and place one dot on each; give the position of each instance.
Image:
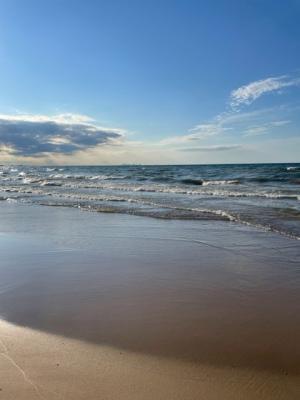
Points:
(149, 82)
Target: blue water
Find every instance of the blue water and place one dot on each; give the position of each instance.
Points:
(264, 195)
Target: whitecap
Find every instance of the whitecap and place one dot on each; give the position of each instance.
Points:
(224, 182)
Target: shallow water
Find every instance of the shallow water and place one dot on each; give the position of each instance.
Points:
(264, 195)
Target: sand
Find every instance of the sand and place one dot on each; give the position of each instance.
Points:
(36, 365)
(99, 306)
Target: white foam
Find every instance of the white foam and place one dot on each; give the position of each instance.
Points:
(224, 182)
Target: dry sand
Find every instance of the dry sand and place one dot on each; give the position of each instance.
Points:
(35, 365)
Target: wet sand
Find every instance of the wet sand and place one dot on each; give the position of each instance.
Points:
(206, 307)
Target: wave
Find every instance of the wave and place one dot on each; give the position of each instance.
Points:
(47, 183)
(86, 177)
(266, 195)
(181, 191)
(11, 200)
(224, 182)
(149, 210)
(192, 181)
(200, 182)
(293, 169)
(156, 209)
(167, 212)
(267, 228)
(204, 191)
(66, 176)
(177, 183)
(295, 181)
(269, 179)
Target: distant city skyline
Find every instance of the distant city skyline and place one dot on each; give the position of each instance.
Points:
(160, 82)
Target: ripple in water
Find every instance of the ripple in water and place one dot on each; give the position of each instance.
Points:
(265, 195)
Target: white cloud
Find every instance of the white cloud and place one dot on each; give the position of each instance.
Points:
(204, 130)
(248, 93)
(222, 147)
(256, 131)
(71, 138)
(280, 123)
(35, 135)
(66, 118)
(235, 120)
(264, 128)
(199, 132)
(222, 123)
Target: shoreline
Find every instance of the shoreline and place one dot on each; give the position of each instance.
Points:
(266, 197)
(218, 299)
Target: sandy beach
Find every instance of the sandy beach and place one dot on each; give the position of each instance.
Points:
(150, 200)
(37, 365)
(102, 306)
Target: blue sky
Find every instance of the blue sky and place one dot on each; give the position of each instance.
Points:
(149, 81)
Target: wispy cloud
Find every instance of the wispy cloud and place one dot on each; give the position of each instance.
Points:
(62, 137)
(252, 91)
(204, 130)
(213, 148)
(235, 120)
(35, 135)
(197, 133)
(222, 123)
(264, 128)
(280, 123)
(256, 131)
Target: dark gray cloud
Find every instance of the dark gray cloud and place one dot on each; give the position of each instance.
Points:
(34, 136)
(214, 148)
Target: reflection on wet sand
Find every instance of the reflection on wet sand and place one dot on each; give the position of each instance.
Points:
(206, 292)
